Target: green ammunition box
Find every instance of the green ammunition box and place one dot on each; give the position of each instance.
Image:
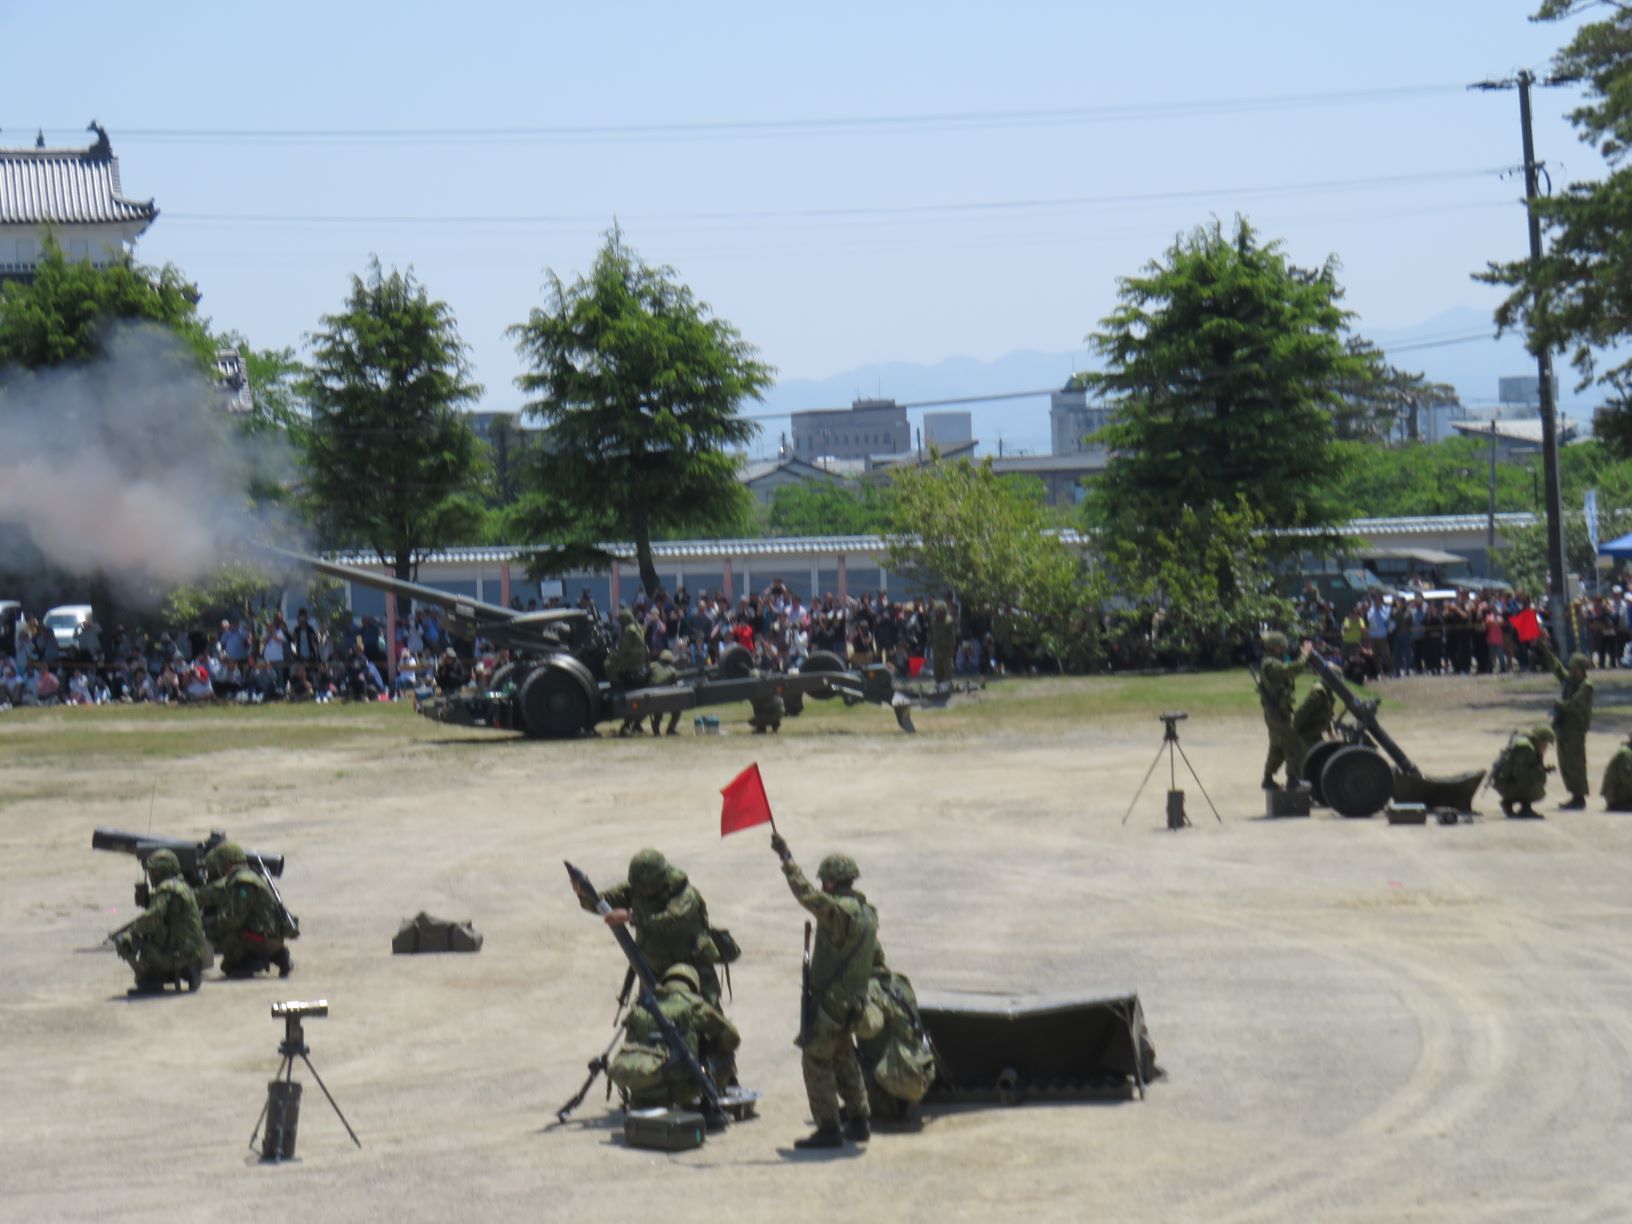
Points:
(663, 1130)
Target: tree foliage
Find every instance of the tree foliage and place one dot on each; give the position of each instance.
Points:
(826, 507)
(960, 525)
(1578, 295)
(1210, 573)
(391, 461)
(1380, 403)
(639, 388)
(62, 315)
(1223, 364)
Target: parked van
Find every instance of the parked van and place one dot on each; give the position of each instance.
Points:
(64, 622)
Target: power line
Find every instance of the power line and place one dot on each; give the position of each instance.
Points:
(737, 129)
(852, 211)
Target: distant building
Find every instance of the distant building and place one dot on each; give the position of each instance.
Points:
(1062, 475)
(1071, 418)
(73, 194)
(233, 380)
(1520, 395)
(1515, 439)
(868, 427)
(763, 477)
(944, 429)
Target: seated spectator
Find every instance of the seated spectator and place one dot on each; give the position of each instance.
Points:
(450, 672)
(196, 685)
(264, 684)
(142, 687)
(300, 684)
(407, 671)
(79, 690)
(47, 688)
(967, 661)
(11, 685)
(356, 672)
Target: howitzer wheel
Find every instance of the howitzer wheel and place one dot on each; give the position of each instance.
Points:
(736, 663)
(821, 661)
(1357, 781)
(553, 704)
(1314, 764)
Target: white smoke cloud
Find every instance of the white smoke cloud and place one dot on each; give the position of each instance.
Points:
(126, 468)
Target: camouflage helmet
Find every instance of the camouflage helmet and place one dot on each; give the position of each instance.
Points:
(838, 868)
(223, 858)
(1543, 735)
(1579, 662)
(666, 656)
(686, 974)
(648, 872)
(162, 865)
(1274, 643)
(625, 617)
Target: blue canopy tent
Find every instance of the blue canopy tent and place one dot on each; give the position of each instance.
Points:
(1620, 548)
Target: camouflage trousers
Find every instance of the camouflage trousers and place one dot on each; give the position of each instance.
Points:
(832, 1072)
(150, 960)
(1572, 760)
(1285, 747)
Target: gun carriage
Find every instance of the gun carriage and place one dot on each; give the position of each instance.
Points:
(556, 687)
(1350, 774)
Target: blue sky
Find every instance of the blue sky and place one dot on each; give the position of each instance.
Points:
(829, 246)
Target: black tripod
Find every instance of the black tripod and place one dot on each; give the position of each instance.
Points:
(1176, 819)
(281, 1113)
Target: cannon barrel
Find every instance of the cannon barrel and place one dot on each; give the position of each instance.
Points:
(1365, 713)
(505, 626)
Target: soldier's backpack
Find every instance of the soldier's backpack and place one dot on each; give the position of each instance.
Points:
(423, 933)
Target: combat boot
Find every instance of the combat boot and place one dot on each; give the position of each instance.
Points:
(195, 978)
(821, 1137)
(145, 986)
(1576, 803)
(858, 1130)
(284, 962)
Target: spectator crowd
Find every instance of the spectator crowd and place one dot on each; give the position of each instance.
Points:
(253, 658)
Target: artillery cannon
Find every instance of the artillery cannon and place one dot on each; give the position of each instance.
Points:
(555, 686)
(1350, 776)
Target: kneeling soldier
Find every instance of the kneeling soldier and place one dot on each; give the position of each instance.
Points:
(1618, 780)
(166, 943)
(245, 921)
(645, 1069)
(1521, 775)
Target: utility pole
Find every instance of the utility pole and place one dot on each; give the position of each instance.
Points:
(1557, 593)
(1490, 523)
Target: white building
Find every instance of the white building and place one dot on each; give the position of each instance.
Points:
(73, 194)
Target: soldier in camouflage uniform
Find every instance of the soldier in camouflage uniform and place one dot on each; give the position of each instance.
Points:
(943, 643)
(1572, 719)
(768, 713)
(1617, 788)
(627, 662)
(244, 921)
(670, 919)
(1521, 774)
(1277, 687)
(166, 943)
(840, 965)
(660, 673)
(645, 1069)
(1312, 721)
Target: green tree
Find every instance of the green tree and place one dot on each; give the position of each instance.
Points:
(390, 459)
(1222, 366)
(1209, 573)
(826, 507)
(1578, 295)
(639, 388)
(1380, 403)
(62, 315)
(960, 525)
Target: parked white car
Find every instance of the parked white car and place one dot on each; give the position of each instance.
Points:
(64, 622)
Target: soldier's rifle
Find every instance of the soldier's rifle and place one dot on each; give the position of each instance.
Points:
(1497, 763)
(713, 1111)
(807, 1000)
(290, 919)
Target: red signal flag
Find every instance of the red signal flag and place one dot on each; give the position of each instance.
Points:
(745, 802)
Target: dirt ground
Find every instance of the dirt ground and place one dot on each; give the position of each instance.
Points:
(1358, 1022)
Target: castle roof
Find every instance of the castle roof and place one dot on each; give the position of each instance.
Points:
(41, 186)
